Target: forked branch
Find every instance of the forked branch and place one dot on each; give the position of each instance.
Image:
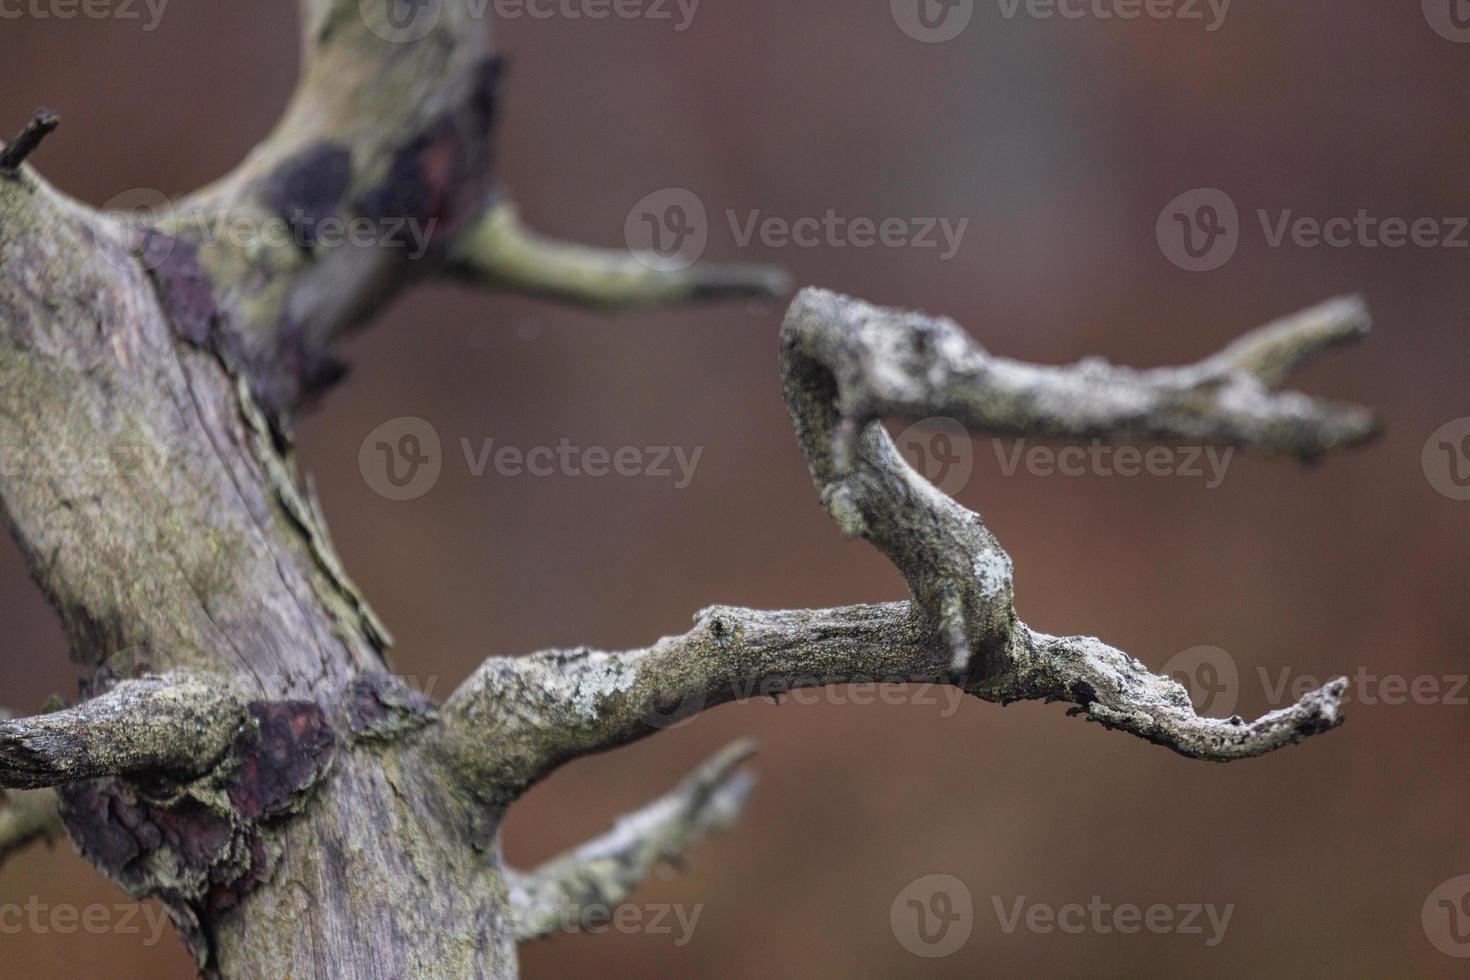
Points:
(847, 364)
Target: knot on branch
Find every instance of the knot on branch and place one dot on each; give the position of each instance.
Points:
(201, 847)
(723, 624)
(383, 708)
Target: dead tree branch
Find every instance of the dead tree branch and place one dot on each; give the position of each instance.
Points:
(501, 254)
(14, 153)
(846, 364)
(175, 726)
(587, 884)
(255, 766)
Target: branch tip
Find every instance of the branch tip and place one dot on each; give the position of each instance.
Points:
(14, 153)
(501, 253)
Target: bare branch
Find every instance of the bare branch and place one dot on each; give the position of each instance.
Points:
(1118, 691)
(845, 363)
(502, 254)
(516, 719)
(898, 364)
(588, 883)
(14, 153)
(1274, 351)
(179, 724)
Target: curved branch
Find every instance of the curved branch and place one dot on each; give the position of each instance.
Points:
(904, 365)
(1119, 692)
(501, 254)
(177, 725)
(845, 363)
(516, 719)
(588, 883)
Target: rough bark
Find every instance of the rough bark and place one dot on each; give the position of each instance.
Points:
(241, 750)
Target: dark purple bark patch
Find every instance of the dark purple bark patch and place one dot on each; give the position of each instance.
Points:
(413, 186)
(288, 751)
(442, 177)
(102, 824)
(120, 832)
(182, 283)
(226, 891)
(381, 707)
(197, 849)
(308, 187)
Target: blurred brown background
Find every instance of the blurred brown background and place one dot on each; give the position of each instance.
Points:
(1060, 140)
